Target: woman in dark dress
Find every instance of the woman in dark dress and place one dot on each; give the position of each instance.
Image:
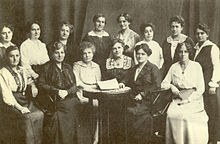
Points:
(21, 122)
(57, 86)
(101, 40)
(170, 55)
(65, 31)
(143, 79)
(207, 55)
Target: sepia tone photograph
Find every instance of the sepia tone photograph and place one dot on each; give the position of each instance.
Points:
(109, 72)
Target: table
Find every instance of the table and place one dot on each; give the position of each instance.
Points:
(108, 102)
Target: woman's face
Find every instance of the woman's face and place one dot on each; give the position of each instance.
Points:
(117, 50)
(87, 55)
(183, 54)
(124, 24)
(59, 55)
(100, 24)
(176, 28)
(14, 58)
(141, 56)
(64, 32)
(35, 31)
(148, 33)
(6, 35)
(201, 35)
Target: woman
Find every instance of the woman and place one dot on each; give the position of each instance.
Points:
(169, 45)
(143, 79)
(186, 118)
(129, 37)
(87, 74)
(117, 66)
(5, 41)
(207, 55)
(22, 121)
(57, 88)
(33, 51)
(65, 31)
(147, 30)
(101, 40)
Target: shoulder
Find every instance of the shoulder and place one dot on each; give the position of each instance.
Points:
(4, 71)
(25, 43)
(134, 34)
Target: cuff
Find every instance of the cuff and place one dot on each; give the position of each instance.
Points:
(213, 84)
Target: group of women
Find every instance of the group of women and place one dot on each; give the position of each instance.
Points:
(42, 95)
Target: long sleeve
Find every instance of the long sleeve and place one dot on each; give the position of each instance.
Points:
(161, 58)
(166, 83)
(216, 66)
(76, 71)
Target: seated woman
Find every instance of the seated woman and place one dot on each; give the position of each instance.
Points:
(22, 121)
(147, 30)
(87, 75)
(186, 118)
(117, 66)
(57, 90)
(143, 79)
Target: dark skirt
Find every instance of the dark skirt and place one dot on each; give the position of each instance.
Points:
(60, 126)
(21, 128)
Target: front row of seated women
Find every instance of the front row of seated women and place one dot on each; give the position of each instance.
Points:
(60, 96)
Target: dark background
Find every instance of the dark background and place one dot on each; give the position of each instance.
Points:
(80, 13)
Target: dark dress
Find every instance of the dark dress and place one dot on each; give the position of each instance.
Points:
(16, 127)
(115, 113)
(166, 47)
(140, 121)
(103, 47)
(60, 118)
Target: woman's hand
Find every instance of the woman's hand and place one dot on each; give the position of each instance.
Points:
(24, 110)
(138, 97)
(62, 93)
(174, 90)
(121, 85)
(34, 90)
(212, 90)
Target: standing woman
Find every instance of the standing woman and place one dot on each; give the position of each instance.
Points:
(143, 79)
(170, 55)
(57, 87)
(100, 39)
(186, 121)
(65, 31)
(207, 54)
(147, 30)
(33, 51)
(5, 41)
(21, 120)
(129, 37)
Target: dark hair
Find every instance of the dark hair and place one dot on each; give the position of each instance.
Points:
(144, 47)
(98, 16)
(114, 41)
(126, 16)
(189, 48)
(11, 48)
(84, 45)
(144, 25)
(66, 23)
(6, 25)
(29, 25)
(203, 27)
(177, 19)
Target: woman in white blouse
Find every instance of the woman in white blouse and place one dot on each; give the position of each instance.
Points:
(147, 30)
(186, 118)
(22, 121)
(33, 51)
(87, 75)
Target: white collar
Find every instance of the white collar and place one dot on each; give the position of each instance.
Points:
(92, 33)
(206, 43)
(11, 44)
(93, 64)
(182, 38)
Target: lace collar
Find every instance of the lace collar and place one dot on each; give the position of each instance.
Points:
(104, 33)
(182, 38)
(125, 62)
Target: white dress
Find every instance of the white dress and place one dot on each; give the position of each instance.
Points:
(186, 123)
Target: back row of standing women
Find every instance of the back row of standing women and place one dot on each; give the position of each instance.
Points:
(113, 64)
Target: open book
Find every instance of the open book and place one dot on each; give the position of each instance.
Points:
(108, 84)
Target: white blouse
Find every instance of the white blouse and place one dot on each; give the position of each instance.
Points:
(8, 85)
